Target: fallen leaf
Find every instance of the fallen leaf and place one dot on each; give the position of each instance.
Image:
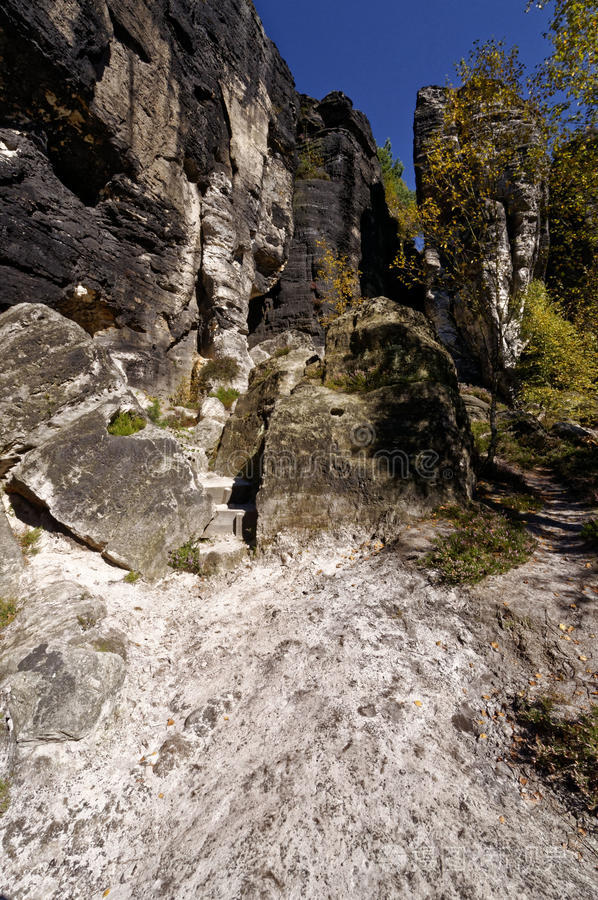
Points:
(105, 894)
(583, 658)
(170, 722)
(483, 736)
(418, 703)
(502, 820)
(523, 781)
(494, 645)
(160, 796)
(562, 627)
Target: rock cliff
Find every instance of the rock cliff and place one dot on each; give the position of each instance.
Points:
(146, 172)
(519, 238)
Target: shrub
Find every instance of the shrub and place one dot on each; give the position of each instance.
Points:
(217, 370)
(227, 396)
(132, 577)
(123, 424)
(282, 351)
(565, 749)
(484, 543)
(186, 558)
(590, 531)
(311, 162)
(154, 413)
(8, 610)
(183, 394)
(338, 283)
(4, 796)
(29, 541)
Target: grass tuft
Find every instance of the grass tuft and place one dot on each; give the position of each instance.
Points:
(124, 424)
(227, 396)
(132, 577)
(29, 541)
(8, 611)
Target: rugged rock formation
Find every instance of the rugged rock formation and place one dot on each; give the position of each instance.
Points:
(520, 240)
(339, 199)
(377, 434)
(11, 559)
(133, 498)
(146, 169)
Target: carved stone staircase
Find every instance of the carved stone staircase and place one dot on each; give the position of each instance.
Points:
(225, 541)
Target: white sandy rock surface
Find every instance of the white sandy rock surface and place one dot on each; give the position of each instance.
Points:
(309, 726)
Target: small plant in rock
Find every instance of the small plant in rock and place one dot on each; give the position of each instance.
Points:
(217, 370)
(590, 531)
(8, 610)
(483, 543)
(186, 558)
(227, 396)
(154, 413)
(311, 162)
(282, 351)
(29, 541)
(124, 424)
(132, 577)
(564, 749)
(183, 394)
(4, 796)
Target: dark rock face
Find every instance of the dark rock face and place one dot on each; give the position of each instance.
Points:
(520, 240)
(385, 435)
(146, 169)
(339, 198)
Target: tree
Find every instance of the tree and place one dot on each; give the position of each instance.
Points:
(471, 166)
(400, 199)
(338, 283)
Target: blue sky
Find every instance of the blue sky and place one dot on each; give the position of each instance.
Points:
(380, 52)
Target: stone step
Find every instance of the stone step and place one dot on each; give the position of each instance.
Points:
(223, 554)
(227, 521)
(218, 487)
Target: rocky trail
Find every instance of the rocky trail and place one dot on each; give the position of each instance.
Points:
(322, 722)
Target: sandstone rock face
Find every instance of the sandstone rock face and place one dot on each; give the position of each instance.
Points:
(52, 372)
(384, 437)
(339, 198)
(519, 238)
(146, 172)
(133, 498)
(241, 447)
(11, 559)
(60, 668)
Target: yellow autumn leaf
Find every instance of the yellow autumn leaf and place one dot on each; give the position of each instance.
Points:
(418, 703)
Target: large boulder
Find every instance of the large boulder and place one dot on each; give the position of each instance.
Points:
(133, 498)
(61, 668)
(384, 437)
(52, 372)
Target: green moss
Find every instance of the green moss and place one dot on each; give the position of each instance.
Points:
(124, 424)
(564, 749)
(483, 543)
(227, 396)
(29, 541)
(4, 796)
(132, 577)
(8, 610)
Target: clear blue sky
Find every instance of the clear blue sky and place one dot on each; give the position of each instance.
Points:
(380, 52)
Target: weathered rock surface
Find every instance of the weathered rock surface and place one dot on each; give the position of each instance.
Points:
(384, 437)
(60, 668)
(240, 450)
(11, 558)
(339, 199)
(52, 372)
(132, 498)
(518, 237)
(146, 172)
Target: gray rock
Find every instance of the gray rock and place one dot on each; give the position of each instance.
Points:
(575, 433)
(11, 558)
(213, 408)
(132, 498)
(59, 694)
(207, 434)
(52, 372)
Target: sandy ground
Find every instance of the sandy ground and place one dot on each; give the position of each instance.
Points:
(320, 723)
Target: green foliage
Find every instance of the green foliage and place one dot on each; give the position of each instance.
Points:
(226, 395)
(124, 424)
(132, 577)
(338, 283)
(183, 395)
(4, 796)
(311, 162)
(559, 368)
(186, 558)
(154, 413)
(30, 540)
(400, 199)
(565, 749)
(282, 351)
(521, 503)
(590, 531)
(8, 610)
(361, 381)
(217, 370)
(484, 543)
